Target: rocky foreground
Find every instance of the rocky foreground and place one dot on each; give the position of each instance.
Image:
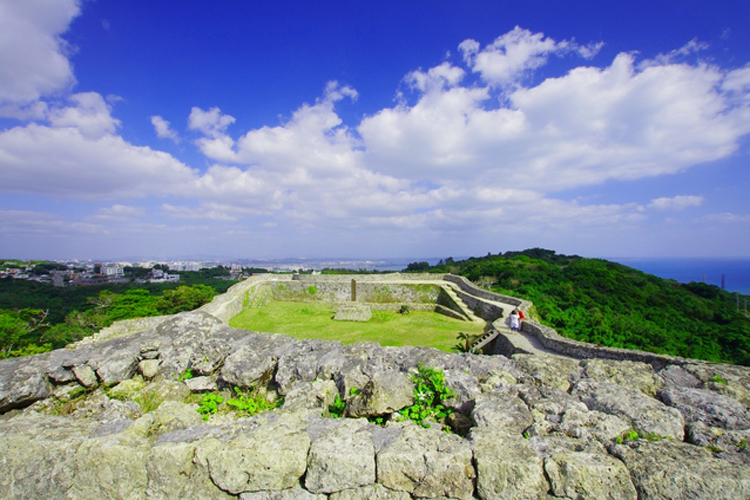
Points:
(74, 425)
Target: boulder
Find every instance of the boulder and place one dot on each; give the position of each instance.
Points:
(201, 384)
(149, 368)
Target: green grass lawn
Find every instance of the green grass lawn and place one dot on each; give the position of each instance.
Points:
(388, 328)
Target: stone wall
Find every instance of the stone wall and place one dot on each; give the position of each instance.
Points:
(112, 420)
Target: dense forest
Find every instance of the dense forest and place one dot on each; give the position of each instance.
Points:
(37, 317)
(606, 303)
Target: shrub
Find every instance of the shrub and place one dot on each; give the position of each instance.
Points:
(430, 392)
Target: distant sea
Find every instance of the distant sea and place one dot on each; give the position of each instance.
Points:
(736, 271)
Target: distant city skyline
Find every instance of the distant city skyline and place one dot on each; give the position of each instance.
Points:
(386, 130)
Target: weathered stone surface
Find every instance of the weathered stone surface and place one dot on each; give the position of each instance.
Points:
(36, 455)
(714, 410)
(645, 414)
(667, 470)
(112, 467)
(502, 409)
(427, 463)
(353, 312)
(316, 395)
(553, 371)
(201, 384)
(466, 387)
(271, 458)
(507, 467)
(294, 493)
(582, 469)
(674, 376)
(209, 356)
(149, 368)
(341, 457)
(22, 382)
(386, 392)
(173, 473)
(629, 374)
(248, 368)
(372, 492)
(86, 376)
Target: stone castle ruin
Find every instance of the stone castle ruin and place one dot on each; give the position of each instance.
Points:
(543, 417)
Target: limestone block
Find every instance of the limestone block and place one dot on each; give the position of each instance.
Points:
(209, 356)
(248, 367)
(353, 312)
(85, 376)
(341, 458)
(427, 463)
(502, 409)
(293, 493)
(714, 410)
(629, 374)
(149, 368)
(581, 469)
(386, 392)
(272, 457)
(508, 468)
(372, 492)
(316, 395)
(550, 370)
(173, 473)
(110, 467)
(645, 414)
(201, 384)
(666, 470)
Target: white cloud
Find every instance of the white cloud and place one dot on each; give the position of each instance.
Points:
(65, 162)
(163, 129)
(506, 60)
(33, 60)
(212, 122)
(676, 202)
(119, 213)
(91, 116)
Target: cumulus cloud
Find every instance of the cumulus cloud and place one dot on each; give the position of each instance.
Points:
(33, 61)
(492, 153)
(516, 53)
(675, 203)
(163, 129)
(90, 116)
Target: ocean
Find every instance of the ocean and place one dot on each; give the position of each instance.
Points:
(736, 272)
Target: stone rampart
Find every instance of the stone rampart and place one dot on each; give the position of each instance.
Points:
(120, 420)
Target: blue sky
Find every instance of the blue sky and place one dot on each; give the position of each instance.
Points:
(392, 129)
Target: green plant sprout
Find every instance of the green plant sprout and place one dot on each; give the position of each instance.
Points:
(209, 405)
(430, 392)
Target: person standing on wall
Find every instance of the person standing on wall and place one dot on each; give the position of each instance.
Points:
(515, 320)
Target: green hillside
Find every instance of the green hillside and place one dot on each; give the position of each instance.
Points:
(610, 304)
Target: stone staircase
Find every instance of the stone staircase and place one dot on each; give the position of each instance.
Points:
(467, 313)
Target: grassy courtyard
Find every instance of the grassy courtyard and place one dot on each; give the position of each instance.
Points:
(388, 328)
